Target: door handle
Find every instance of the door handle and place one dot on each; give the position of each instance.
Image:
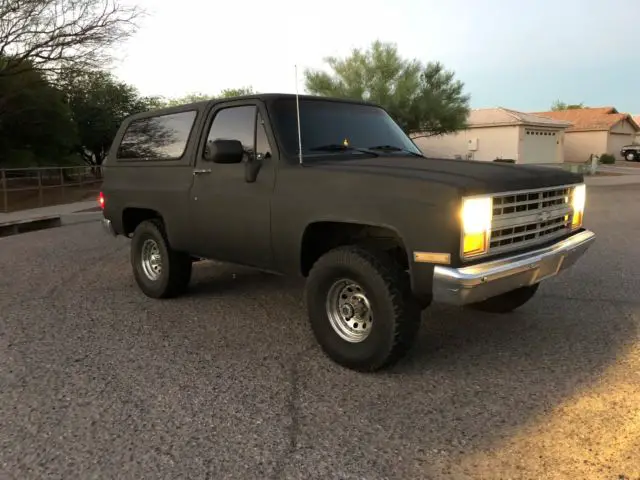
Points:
(200, 171)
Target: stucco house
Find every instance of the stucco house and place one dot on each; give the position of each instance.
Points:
(595, 131)
(500, 133)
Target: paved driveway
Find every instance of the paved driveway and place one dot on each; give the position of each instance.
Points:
(97, 381)
(625, 168)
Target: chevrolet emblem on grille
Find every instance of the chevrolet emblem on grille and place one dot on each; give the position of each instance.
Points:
(544, 216)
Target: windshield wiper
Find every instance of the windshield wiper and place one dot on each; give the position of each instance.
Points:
(393, 148)
(338, 147)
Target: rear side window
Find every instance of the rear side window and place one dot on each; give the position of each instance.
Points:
(157, 138)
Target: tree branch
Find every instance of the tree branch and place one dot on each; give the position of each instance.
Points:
(52, 35)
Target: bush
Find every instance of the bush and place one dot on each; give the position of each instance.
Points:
(607, 159)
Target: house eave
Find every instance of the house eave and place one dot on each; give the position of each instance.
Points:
(552, 126)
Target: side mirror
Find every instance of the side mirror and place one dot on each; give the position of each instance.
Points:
(224, 151)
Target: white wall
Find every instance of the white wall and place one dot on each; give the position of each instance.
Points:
(493, 142)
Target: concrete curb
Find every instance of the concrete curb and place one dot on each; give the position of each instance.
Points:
(76, 218)
(15, 227)
(613, 180)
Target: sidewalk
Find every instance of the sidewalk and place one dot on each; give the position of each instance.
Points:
(69, 213)
(596, 181)
(626, 169)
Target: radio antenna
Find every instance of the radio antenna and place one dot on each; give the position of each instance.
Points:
(298, 114)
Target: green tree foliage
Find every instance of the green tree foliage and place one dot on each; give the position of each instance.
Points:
(199, 97)
(99, 103)
(424, 99)
(39, 40)
(35, 122)
(189, 98)
(558, 105)
(236, 92)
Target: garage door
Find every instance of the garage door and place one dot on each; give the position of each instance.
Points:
(616, 142)
(539, 146)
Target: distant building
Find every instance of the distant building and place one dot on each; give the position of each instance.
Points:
(595, 131)
(500, 133)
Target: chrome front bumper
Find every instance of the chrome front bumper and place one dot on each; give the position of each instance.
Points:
(106, 224)
(461, 286)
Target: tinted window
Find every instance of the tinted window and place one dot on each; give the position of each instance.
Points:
(263, 148)
(325, 123)
(234, 123)
(161, 137)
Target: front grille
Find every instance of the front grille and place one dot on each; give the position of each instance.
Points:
(525, 218)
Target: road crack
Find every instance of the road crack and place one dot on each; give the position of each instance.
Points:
(292, 408)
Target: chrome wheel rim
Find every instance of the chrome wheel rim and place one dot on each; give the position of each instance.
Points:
(151, 259)
(349, 311)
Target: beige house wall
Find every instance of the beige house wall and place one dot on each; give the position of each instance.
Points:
(578, 146)
(623, 127)
(562, 135)
(493, 142)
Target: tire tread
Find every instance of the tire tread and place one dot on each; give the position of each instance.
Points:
(179, 263)
(406, 312)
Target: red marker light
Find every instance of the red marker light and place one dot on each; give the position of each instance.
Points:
(101, 200)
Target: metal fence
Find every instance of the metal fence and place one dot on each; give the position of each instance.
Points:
(23, 188)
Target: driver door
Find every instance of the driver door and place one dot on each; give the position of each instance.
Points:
(233, 217)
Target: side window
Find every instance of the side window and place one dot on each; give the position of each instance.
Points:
(263, 148)
(162, 137)
(234, 123)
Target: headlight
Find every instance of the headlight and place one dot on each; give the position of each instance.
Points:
(578, 200)
(476, 225)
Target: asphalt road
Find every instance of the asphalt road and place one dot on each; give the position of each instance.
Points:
(97, 381)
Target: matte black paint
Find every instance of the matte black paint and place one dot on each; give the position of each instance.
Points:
(262, 224)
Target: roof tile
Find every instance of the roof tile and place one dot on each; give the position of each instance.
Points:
(586, 119)
(505, 116)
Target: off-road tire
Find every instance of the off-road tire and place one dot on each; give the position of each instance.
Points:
(507, 302)
(396, 314)
(176, 266)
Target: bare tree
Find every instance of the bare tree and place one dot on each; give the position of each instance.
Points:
(52, 35)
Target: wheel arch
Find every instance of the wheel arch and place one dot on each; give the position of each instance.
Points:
(320, 236)
(132, 216)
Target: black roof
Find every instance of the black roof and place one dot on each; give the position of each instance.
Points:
(266, 97)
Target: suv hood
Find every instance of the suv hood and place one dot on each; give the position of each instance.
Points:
(470, 176)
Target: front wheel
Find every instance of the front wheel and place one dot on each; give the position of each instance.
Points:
(507, 302)
(631, 157)
(361, 309)
(159, 271)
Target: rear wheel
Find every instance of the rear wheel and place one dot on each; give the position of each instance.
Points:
(159, 271)
(631, 157)
(507, 302)
(361, 309)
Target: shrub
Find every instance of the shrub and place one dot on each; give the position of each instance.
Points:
(607, 159)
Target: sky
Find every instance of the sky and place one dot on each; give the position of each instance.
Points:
(513, 54)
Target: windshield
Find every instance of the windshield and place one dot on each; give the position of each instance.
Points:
(326, 126)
